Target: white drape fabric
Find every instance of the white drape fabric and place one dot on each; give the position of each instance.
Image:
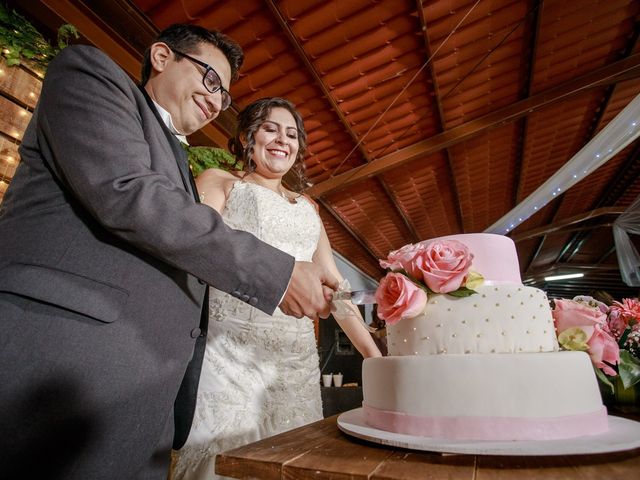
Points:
(628, 257)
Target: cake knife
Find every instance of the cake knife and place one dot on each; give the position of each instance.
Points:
(357, 297)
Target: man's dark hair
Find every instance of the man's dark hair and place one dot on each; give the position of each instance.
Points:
(186, 38)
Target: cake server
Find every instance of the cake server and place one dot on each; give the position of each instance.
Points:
(357, 297)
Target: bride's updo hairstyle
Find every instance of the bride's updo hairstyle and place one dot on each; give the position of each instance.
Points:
(249, 121)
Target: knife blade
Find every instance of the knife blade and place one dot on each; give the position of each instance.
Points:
(357, 297)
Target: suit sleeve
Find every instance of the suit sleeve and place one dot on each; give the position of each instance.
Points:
(89, 118)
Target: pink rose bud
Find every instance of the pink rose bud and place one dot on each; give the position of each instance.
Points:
(403, 259)
(444, 265)
(399, 298)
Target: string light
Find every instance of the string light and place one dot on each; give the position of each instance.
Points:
(619, 133)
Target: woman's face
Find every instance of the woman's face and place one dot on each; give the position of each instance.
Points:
(276, 144)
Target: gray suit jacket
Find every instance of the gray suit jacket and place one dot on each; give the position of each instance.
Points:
(98, 231)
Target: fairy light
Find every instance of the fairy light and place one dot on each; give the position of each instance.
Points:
(619, 133)
(553, 278)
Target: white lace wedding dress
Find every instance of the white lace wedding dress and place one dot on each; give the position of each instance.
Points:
(260, 374)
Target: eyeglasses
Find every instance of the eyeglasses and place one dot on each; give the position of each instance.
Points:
(211, 80)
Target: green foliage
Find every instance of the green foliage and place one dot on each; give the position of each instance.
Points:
(629, 369)
(202, 158)
(22, 43)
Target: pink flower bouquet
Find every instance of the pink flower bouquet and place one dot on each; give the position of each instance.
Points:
(610, 335)
(422, 269)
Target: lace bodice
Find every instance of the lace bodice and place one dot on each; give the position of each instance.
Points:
(260, 374)
(291, 227)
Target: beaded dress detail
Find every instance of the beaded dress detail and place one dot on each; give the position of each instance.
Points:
(260, 375)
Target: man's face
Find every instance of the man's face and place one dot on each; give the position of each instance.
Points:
(179, 89)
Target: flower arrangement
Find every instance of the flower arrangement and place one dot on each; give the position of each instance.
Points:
(610, 335)
(418, 270)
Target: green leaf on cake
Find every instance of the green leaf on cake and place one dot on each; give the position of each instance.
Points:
(462, 292)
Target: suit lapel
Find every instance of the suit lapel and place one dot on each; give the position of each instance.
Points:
(177, 149)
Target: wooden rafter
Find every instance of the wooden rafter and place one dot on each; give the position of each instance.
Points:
(625, 69)
(440, 111)
(302, 55)
(344, 225)
(580, 237)
(556, 226)
(530, 68)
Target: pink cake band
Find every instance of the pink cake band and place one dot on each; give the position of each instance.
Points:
(489, 428)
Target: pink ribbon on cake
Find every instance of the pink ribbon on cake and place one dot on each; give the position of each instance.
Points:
(489, 428)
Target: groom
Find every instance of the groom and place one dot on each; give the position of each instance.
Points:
(105, 256)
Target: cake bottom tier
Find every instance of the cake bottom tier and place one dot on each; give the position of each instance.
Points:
(498, 397)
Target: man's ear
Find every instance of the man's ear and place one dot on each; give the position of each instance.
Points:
(160, 56)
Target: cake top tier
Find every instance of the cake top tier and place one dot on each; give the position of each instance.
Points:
(494, 256)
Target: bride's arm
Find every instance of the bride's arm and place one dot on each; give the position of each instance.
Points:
(349, 317)
(213, 187)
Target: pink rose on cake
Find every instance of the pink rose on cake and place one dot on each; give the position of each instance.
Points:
(444, 265)
(398, 298)
(405, 258)
(421, 269)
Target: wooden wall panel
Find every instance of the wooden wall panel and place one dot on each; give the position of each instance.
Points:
(19, 84)
(13, 119)
(8, 158)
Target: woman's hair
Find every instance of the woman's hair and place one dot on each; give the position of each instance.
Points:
(249, 121)
(186, 38)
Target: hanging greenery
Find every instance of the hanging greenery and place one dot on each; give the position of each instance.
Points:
(21, 43)
(202, 158)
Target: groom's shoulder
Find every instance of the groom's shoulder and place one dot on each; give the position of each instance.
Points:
(79, 55)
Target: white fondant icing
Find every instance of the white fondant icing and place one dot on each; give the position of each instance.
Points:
(501, 385)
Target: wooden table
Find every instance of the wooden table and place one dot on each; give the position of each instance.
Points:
(321, 451)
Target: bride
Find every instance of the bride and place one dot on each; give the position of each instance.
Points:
(260, 374)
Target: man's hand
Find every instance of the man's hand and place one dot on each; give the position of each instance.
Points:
(309, 292)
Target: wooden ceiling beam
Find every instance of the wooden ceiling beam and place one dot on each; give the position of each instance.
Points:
(440, 111)
(580, 237)
(554, 227)
(536, 23)
(621, 70)
(302, 55)
(344, 225)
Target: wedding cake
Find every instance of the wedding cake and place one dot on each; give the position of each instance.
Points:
(479, 362)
